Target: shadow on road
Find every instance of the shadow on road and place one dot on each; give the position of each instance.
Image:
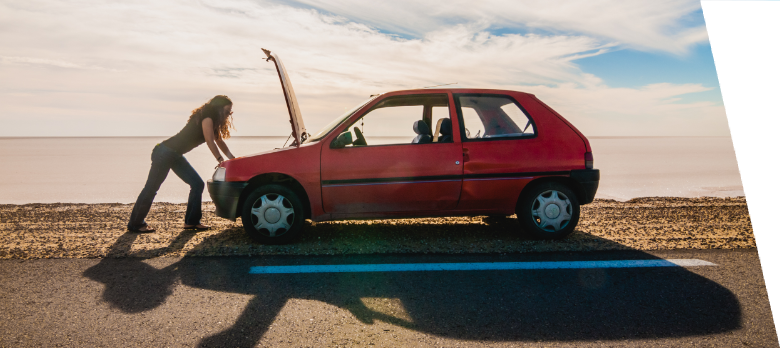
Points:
(517, 305)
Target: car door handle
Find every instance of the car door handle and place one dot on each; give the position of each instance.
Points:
(465, 155)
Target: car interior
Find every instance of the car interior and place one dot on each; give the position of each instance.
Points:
(383, 124)
(494, 117)
(443, 132)
(484, 116)
(423, 132)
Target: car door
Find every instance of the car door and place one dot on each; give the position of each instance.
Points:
(397, 170)
(503, 150)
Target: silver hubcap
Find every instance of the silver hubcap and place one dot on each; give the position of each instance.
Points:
(272, 214)
(551, 211)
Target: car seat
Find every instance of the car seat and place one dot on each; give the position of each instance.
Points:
(423, 132)
(446, 130)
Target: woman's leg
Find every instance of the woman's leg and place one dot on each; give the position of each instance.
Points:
(184, 170)
(157, 174)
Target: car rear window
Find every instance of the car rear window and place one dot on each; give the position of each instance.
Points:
(493, 117)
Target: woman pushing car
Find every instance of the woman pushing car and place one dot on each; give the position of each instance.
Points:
(210, 123)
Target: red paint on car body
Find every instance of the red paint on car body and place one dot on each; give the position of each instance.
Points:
(466, 176)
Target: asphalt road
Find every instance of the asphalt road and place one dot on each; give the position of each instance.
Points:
(172, 302)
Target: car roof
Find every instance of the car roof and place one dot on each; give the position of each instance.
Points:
(469, 90)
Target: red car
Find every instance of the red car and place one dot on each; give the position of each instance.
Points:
(415, 153)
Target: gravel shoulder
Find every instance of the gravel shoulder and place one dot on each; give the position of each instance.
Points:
(65, 230)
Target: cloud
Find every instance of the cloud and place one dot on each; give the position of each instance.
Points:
(646, 25)
(49, 62)
(86, 68)
(652, 110)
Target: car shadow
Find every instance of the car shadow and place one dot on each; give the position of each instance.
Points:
(514, 305)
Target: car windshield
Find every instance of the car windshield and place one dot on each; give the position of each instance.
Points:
(335, 123)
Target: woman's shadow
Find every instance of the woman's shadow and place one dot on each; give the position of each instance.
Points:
(529, 305)
(131, 285)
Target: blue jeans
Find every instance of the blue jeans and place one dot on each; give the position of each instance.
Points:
(163, 160)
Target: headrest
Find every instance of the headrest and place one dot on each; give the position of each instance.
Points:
(420, 127)
(446, 127)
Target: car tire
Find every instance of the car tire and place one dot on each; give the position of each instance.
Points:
(273, 214)
(548, 211)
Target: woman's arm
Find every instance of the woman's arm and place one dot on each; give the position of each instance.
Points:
(224, 148)
(208, 134)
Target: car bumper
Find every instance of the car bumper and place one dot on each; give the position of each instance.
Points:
(588, 179)
(225, 196)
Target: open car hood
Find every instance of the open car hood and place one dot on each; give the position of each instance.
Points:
(298, 129)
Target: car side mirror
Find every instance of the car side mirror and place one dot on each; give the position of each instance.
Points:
(342, 141)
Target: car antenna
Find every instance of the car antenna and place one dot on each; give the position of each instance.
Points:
(446, 84)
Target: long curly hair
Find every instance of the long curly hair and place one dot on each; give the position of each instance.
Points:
(215, 108)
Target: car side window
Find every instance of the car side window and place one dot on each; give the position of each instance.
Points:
(493, 116)
(403, 120)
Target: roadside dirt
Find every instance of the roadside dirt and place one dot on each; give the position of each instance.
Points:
(33, 231)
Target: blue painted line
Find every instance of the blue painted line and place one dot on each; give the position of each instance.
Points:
(484, 266)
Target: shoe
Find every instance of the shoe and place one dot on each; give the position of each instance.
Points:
(139, 230)
(197, 227)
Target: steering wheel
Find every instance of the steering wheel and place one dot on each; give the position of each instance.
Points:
(360, 141)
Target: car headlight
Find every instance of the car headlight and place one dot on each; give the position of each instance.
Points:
(219, 174)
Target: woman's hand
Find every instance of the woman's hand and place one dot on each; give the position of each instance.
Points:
(224, 148)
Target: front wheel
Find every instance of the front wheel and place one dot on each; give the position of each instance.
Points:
(548, 211)
(273, 214)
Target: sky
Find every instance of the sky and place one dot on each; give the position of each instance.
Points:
(137, 68)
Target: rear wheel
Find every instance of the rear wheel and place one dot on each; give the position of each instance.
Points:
(273, 214)
(548, 211)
